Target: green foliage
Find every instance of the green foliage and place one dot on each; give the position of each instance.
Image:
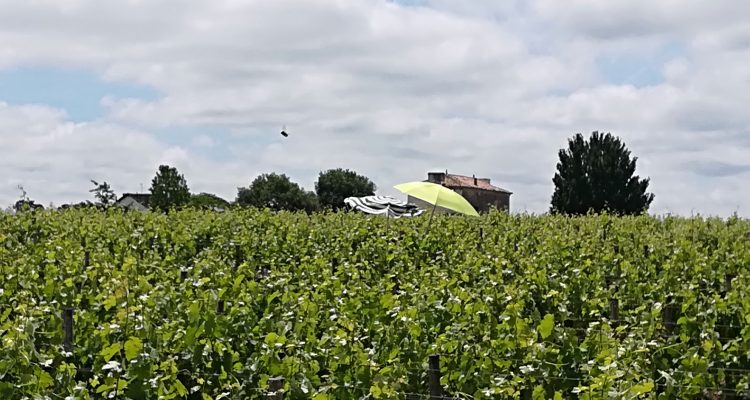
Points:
(598, 175)
(335, 185)
(82, 205)
(344, 306)
(207, 201)
(133, 348)
(546, 326)
(169, 189)
(27, 205)
(103, 194)
(276, 192)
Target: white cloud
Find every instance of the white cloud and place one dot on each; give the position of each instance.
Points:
(55, 159)
(617, 19)
(387, 90)
(203, 141)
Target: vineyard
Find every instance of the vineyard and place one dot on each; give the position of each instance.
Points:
(204, 305)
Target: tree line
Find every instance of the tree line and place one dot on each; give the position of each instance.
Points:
(169, 190)
(593, 175)
(271, 190)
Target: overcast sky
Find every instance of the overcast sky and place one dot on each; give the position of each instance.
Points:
(108, 90)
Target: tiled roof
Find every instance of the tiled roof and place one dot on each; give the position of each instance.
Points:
(142, 198)
(456, 181)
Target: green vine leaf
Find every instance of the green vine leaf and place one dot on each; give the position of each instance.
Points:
(546, 326)
(108, 352)
(133, 348)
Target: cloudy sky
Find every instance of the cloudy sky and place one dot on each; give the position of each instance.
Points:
(108, 90)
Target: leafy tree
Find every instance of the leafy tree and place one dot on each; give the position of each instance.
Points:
(103, 193)
(334, 185)
(169, 189)
(598, 175)
(27, 205)
(81, 205)
(276, 192)
(24, 203)
(207, 200)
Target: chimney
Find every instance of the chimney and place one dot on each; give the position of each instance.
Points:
(436, 177)
(475, 180)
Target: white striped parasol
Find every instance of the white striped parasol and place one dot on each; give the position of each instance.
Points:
(383, 205)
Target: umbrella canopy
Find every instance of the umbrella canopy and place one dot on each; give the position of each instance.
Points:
(438, 195)
(383, 205)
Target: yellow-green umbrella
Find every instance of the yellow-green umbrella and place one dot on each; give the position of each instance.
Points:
(438, 196)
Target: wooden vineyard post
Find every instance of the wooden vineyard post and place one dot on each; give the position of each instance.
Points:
(670, 314)
(728, 282)
(220, 307)
(396, 286)
(481, 238)
(614, 311)
(67, 326)
(275, 389)
(433, 376)
(238, 258)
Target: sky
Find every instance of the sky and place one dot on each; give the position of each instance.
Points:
(109, 90)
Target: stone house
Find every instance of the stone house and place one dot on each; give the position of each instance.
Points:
(134, 201)
(479, 192)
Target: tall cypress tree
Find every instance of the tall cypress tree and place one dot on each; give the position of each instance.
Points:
(598, 175)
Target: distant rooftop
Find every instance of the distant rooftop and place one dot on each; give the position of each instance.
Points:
(142, 198)
(462, 181)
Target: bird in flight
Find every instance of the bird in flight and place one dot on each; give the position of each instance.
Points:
(283, 132)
